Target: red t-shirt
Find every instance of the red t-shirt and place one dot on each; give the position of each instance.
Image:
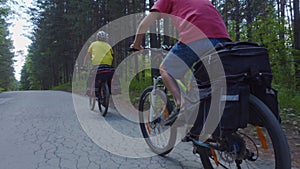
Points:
(194, 19)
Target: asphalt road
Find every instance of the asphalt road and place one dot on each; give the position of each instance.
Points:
(57, 130)
(42, 130)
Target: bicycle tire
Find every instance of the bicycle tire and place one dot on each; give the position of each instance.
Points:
(103, 99)
(92, 101)
(276, 137)
(150, 135)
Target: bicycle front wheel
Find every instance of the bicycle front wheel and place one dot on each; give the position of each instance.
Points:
(260, 147)
(103, 99)
(160, 138)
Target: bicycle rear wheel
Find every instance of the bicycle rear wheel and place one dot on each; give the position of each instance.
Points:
(259, 147)
(160, 139)
(103, 99)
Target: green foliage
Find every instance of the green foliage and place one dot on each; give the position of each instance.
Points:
(289, 101)
(62, 27)
(138, 85)
(25, 81)
(297, 68)
(268, 31)
(63, 87)
(7, 79)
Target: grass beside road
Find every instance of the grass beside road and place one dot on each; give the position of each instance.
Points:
(289, 102)
(63, 87)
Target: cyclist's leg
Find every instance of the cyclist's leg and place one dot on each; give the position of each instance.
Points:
(107, 77)
(175, 65)
(98, 80)
(171, 84)
(109, 80)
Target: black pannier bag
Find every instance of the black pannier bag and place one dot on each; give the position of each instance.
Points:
(247, 70)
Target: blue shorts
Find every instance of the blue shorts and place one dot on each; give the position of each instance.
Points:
(182, 56)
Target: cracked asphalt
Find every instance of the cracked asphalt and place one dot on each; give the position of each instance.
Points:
(56, 130)
(40, 130)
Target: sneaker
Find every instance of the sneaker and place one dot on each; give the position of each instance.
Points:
(172, 118)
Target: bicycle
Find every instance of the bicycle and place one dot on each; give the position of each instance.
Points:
(101, 94)
(261, 141)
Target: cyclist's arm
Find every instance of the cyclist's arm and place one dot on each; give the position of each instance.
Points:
(114, 59)
(143, 27)
(86, 58)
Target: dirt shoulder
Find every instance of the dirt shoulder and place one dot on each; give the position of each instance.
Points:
(292, 132)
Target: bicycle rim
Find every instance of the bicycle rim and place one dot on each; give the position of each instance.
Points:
(160, 139)
(268, 144)
(103, 100)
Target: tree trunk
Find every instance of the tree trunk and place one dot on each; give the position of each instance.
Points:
(249, 19)
(296, 25)
(237, 20)
(282, 16)
(225, 14)
(166, 32)
(297, 41)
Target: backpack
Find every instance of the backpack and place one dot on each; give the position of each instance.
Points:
(247, 71)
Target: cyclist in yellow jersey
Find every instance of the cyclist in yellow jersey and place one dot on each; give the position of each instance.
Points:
(100, 51)
(101, 54)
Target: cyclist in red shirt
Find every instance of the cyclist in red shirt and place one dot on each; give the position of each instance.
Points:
(200, 28)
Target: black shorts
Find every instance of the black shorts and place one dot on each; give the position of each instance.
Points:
(104, 74)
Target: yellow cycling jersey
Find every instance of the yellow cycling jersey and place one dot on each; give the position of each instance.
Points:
(101, 53)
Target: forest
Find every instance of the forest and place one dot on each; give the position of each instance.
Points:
(62, 27)
(7, 79)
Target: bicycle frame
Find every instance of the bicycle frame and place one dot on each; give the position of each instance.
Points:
(217, 144)
(182, 87)
(93, 82)
(153, 98)
(153, 114)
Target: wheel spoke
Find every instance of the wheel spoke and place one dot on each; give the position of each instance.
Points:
(252, 147)
(160, 138)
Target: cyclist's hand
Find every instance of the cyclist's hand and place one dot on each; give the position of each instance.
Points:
(134, 48)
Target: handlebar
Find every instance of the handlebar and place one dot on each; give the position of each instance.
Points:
(132, 49)
(166, 47)
(163, 47)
